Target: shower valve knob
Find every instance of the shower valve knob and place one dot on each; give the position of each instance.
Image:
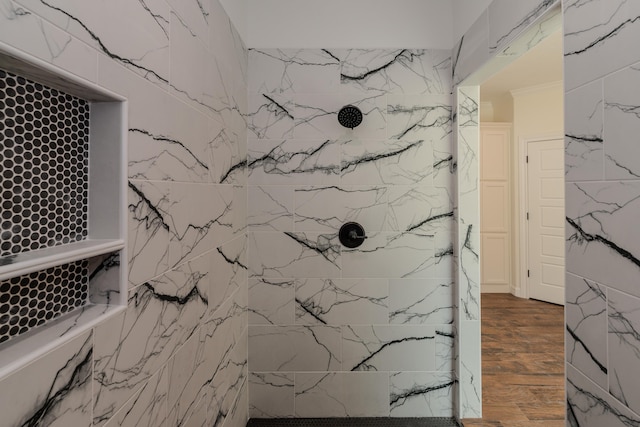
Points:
(351, 235)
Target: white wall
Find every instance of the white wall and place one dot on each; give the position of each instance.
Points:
(465, 13)
(349, 24)
(238, 11)
(538, 111)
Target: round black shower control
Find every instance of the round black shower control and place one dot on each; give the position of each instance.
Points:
(351, 235)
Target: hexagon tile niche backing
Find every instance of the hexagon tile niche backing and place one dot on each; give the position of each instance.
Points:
(44, 146)
(33, 299)
(44, 158)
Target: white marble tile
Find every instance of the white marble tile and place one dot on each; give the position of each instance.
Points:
(601, 244)
(290, 254)
(272, 301)
(388, 348)
(468, 141)
(508, 19)
(227, 153)
(46, 41)
(624, 347)
(175, 155)
(472, 50)
(238, 415)
(196, 231)
(369, 162)
(228, 271)
(584, 148)
(326, 209)
(199, 415)
(270, 116)
(426, 208)
(547, 21)
(416, 117)
(54, 390)
(391, 254)
(227, 45)
(444, 165)
(239, 211)
(341, 301)
(149, 232)
(223, 335)
(366, 393)
(470, 369)
(143, 47)
(590, 406)
(316, 116)
(346, 394)
(421, 301)
(222, 96)
(599, 38)
(129, 348)
(445, 348)
(185, 145)
(167, 138)
(299, 162)
(271, 395)
(396, 71)
(188, 378)
(421, 394)
(104, 278)
(319, 395)
(294, 348)
(293, 71)
(469, 271)
(194, 15)
(194, 71)
(226, 349)
(147, 408)
(586, 328)
(444, 259)
(271, 208)
(468, 232)
(621, 102)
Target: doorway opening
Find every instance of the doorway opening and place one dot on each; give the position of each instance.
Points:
(522, 176)
(521, 217)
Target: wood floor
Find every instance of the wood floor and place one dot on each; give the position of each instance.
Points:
(522, 363)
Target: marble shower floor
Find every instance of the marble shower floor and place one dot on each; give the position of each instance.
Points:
(353, 422)
(522, 363)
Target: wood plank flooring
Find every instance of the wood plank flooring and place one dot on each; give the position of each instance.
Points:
(522, 363)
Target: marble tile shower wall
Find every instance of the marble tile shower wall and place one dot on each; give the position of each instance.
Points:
(178, 354)
(336, 331)
(602, 173)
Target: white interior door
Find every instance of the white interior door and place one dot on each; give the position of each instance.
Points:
(545, 182)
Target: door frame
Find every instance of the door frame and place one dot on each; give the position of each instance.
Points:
(521, 249)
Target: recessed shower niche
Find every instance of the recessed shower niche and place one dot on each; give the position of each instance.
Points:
(62, 206)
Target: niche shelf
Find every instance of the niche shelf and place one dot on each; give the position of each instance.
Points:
(62, 206)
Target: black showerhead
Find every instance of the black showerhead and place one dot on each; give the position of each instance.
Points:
(350, 116)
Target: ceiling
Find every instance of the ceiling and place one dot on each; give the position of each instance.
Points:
(542, 64)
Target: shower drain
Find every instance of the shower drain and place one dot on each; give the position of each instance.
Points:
(352, 422)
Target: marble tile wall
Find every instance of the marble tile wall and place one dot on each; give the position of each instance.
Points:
(178, 354)
(602, 76)
(503, 22)
(337, 332)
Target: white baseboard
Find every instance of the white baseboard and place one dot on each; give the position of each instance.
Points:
(493, 288)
